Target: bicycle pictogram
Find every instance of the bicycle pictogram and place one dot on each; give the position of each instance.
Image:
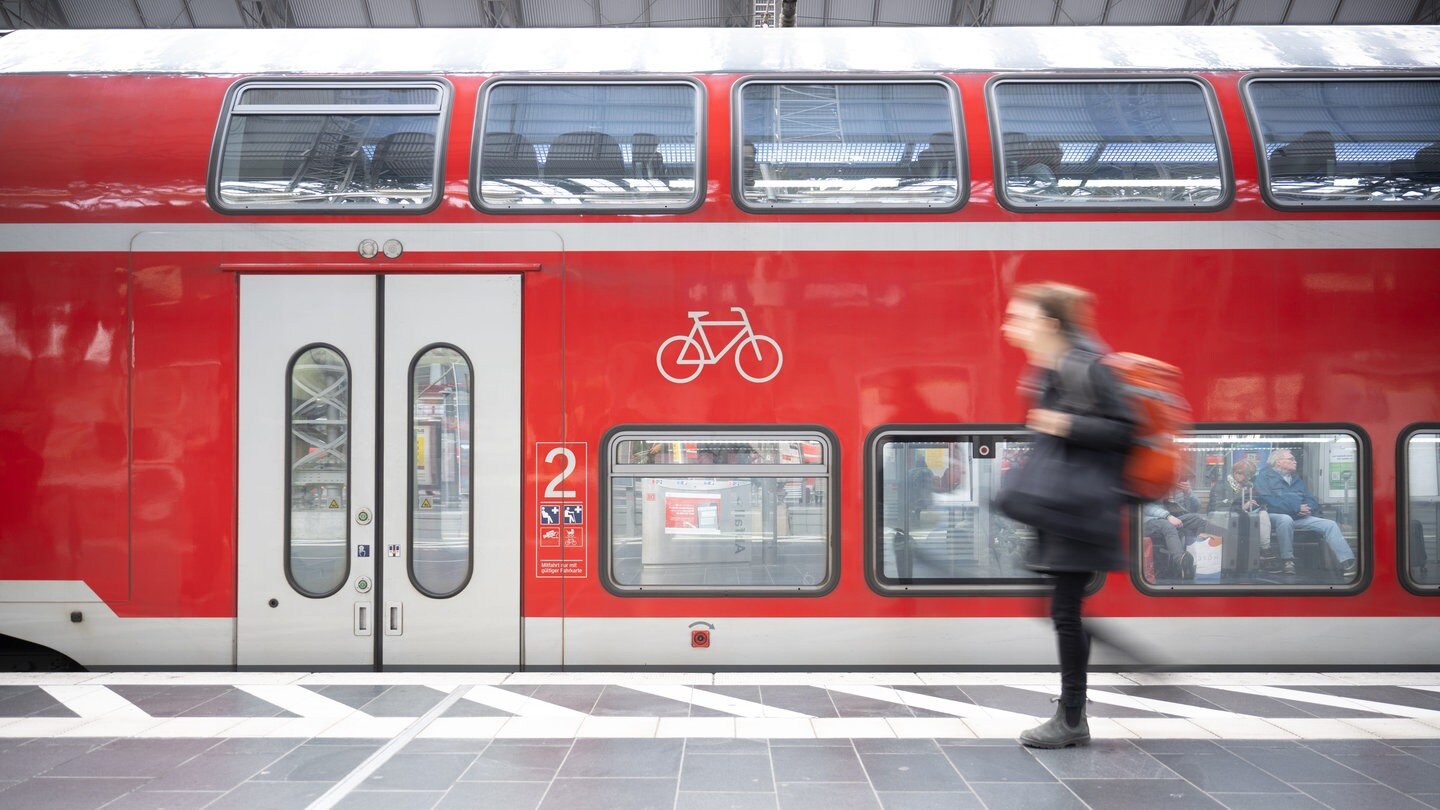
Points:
(757, 357)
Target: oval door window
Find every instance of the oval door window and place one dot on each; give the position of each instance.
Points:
(317, 531)
(441, 413)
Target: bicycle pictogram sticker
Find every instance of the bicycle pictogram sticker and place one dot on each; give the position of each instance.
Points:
(681, 358)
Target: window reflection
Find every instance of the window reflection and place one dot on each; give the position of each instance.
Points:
(1421, 550)
(856, 145)
(1112, 143)
(440, 478)
(1258, 510)
(318, 530)
(937, 525)
(711, 526)
(1350, 141)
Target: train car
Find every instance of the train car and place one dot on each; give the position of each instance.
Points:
(669, 348)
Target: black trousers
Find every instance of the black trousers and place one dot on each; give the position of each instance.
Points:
(1070, 634)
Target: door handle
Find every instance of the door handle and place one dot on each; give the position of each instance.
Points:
(394, 618)
(362, 618)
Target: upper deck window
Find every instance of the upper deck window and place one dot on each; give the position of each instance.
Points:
(1348, 142)
(554, 146)
(855, 145)
(1124, 144)
(329, 146)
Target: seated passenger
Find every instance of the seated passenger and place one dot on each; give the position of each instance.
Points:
(1292, 507)
(1235, 494)
(1164, 520)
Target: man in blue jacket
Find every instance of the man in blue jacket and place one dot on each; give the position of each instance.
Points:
(1292, 507)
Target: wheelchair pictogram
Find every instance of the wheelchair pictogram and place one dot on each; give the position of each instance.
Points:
(681, 358)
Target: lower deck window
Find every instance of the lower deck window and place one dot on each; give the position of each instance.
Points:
(935, 526)
(719, 512)
(1420, 517)
(1269, 509)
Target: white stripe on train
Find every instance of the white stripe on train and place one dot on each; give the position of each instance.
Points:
(688, 237)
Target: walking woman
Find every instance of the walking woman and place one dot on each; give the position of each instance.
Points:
(1069, 489)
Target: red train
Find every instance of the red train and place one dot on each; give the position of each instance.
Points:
(681, 348)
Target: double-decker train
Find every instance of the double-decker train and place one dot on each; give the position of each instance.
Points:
(681, 348)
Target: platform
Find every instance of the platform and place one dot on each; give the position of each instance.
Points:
(780, 741)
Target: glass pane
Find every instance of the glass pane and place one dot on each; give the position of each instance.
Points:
(1262, 509)
(720, 533)
(590, 145)
(857, 145)
(719, 451)
(311, 96)
(937, 525)
(1422, 473)
(329, 161)
(1348, 142)
(440, 526)
(319, 474)
(1107, 143)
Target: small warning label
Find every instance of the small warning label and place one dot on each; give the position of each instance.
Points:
(334, 504)
(425, 503)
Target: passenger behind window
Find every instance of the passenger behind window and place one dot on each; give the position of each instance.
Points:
(645, 160)
(1232, 504)
(1170, 522)
(937, 159)
(920, 486)
(1291, 506)
(1039, 161)
(1311, 155)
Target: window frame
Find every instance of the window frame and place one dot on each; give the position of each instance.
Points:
(482, 109)
(874, 510)
(227, 112)
(689, 432)
(1262, 160)
(285, 454)
(957, 122)
(410, 505)
(1223, 156)
(1364, 518)
(1402, 508)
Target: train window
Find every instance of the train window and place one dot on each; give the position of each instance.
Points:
(320, 146)
(441, 529)
(1347, 142)
(933, 527)
(560, 146)
(317, 528)
(1121, 144)
(719, 511)
(854, 145)
(1271, 509)
(1419, 553)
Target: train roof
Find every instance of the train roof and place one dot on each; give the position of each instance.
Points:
(719, 50)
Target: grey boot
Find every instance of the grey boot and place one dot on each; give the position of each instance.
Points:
(1056, 733)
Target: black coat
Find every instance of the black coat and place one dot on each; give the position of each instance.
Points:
(1101, 430)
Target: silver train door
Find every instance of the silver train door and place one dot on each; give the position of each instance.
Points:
(379, 471)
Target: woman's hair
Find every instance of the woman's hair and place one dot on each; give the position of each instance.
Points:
(1245, 466)
(1070, 306)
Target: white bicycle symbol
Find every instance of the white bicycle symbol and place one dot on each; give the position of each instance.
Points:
(753, 359)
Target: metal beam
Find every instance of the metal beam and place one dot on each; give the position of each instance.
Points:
(1338, 5)
(189, 13)
(517, 13)
(1105, 14)
(139, 14)
(874, 13)
(1427, 12)
(1055, 18)
(369, 17)
(599, 21)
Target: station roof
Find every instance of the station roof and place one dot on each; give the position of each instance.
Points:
(20, 14)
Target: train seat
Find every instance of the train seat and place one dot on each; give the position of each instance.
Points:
(507, 155)
(937, 159)
(404, 158)
(587, 155)
(1310, 155)
(645, 160)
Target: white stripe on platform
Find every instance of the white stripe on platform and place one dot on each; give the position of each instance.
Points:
(94, 701)
(515, 703)
(1339, 702)
(307, 703)
(712, 700)
(959, 708)
(1148, 704)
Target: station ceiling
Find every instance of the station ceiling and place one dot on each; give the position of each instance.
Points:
(16, 14)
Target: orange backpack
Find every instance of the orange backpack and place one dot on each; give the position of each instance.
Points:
(1153, 391)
